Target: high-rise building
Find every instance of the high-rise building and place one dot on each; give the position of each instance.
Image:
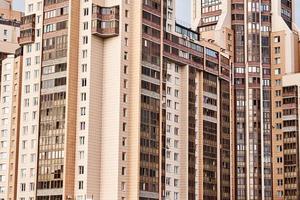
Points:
(10, 123)
(265, 48)
(121, 102)
(9, 70)
(9, 30)
(288, 173)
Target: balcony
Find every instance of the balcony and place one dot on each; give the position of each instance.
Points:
(27, 30)
(105, 21)
(106, 32)
(26, 37)
(27, 22)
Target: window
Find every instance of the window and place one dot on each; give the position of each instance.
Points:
(82, 125)
(80, 185)
(85, 11)
(30, 8)
(84, 67)
(85, 39)
(31, 186)
(125, 69)
(124, 112)
(81, 154)
(123, 156)
(125, 55)
(85, 25)
(83, 82)
(23, 187)
(124, 126)
(277, 39)
(83, 111)
(81, 169)
(176, 155)
(176, 131)
(277, 61)
(84, 53)
(81, 140)
(278, 93)
(28, 61)
(123, 186)
(83, 96)
(124, 141)
(176, 182)
(278, 82)
(123, 171)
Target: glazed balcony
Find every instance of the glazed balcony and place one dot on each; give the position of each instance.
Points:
(105, 21)
(27, 22)
(105, 29)
(27, 30)
(105, 13)
(26, 37)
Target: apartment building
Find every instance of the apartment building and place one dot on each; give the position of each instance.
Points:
(121, 102)
(48, 109)
(9, 70)
(6, 99)
(265, 48)
(290, 139)
(10, 120)
(9, 30)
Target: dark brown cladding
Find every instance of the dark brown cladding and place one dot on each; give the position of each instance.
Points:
(291, 142)
(151, 175)
(192, 134)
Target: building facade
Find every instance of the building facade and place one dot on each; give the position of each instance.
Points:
(10, 121)
(9, 30)
(290, 145)
(10, 66)
(265, 48)
(118, 101)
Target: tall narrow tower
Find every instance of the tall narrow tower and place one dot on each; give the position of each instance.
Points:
(255, 25)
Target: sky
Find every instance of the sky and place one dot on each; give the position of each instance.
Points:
(183, 8)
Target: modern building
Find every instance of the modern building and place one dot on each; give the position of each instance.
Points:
(265, 48)
(9, 69)
(10, 121)
(9, 30)
(119, 101)
(289, 148)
